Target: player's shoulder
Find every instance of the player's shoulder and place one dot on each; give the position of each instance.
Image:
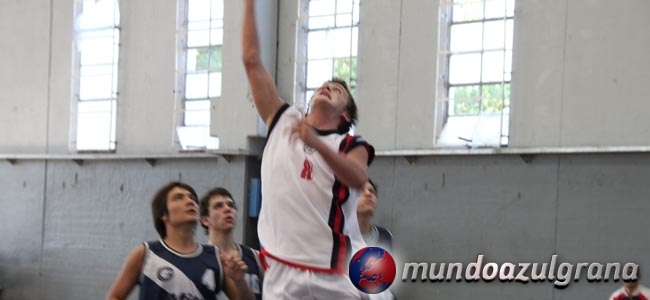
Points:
(384, 230)
(247, 251)
(617, 293)
(288, 112)
(284, 116)
(644, 290)
(209, 249)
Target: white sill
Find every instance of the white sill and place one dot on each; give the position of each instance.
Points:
(514, 151)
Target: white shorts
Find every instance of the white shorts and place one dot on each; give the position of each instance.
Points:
(284, 282)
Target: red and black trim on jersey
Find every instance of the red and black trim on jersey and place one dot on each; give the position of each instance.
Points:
(357, 141)
(623, 296)
(341, 248)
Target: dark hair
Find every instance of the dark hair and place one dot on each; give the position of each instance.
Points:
(351, 109)
(374, 186)
(624, 271)
(159, 204)
(204, 203)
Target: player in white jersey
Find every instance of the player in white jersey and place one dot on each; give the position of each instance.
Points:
(631, 290)
(176, 266)
(311, 173)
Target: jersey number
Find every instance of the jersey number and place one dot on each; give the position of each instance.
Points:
(253, 282)
(208, 279)
(307, 168)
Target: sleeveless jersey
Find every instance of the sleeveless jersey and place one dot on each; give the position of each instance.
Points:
(254, 274)
(308, 217)
(167, 274)
(380, 237)
(641, 293)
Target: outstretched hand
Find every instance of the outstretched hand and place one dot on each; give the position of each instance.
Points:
(234, 266)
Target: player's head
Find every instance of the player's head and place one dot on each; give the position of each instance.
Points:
(631, 284)
(336, 94)
(175, 202)
(367, 199)
(218, 210)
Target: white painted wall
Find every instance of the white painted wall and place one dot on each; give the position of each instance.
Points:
(36, 77)
(379, 40)
(578, 74)
(286, 51)
(146, 83)
(24, 72)
(234, 117)
(60, 100)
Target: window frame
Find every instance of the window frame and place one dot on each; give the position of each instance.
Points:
(443, 108)
(79, 36)
(181, 101)
(301, 89)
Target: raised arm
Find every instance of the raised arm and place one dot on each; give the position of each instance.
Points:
(127, 279)
(265, 93)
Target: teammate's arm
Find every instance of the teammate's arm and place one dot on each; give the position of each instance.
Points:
(127, 279)
(237, 290)
(265, 93)
(235, 271)
(350, 168)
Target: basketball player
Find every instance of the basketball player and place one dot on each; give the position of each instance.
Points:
(218, 218)
(311, 174)
(631, 290)
(373, 234)
(177, 267)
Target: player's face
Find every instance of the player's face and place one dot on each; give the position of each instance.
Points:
(367, 200)
(334, 94)
(222, 213)
(631, 285)
(182, 207)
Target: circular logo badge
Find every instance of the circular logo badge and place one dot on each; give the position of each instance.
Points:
(372, 270)
(165, 273)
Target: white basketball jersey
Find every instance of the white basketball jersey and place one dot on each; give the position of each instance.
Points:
(308, 218)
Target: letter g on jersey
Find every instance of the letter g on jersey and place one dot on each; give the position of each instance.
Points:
(165, 273)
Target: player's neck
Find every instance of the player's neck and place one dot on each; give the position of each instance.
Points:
(181, 239)
(322, 119)
(224, 241)
(365, 223)
(630, 291)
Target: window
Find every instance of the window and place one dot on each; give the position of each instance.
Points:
(327, 46)
(476, 63)
(97, 36)
(200, 39)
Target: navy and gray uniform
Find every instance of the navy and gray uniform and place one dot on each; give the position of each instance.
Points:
(379, 237)
(254, 274)
(167, 274)
(383, 238)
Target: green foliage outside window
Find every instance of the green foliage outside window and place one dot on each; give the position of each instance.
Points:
(209, 59)
(468, 101)
(346, 69)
